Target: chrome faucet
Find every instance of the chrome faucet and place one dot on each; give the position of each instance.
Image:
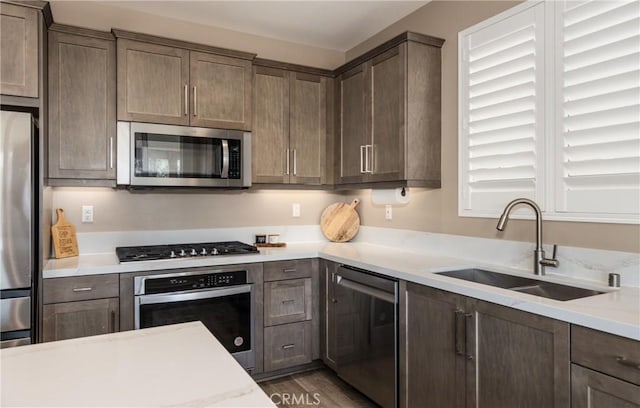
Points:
(539, 261)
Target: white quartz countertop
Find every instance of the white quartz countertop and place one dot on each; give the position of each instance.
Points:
(179, 365)
(617, 311)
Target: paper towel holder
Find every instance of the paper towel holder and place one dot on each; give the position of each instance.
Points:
(403, 192)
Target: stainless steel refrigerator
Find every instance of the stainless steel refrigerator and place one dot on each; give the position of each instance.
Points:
(18, 188)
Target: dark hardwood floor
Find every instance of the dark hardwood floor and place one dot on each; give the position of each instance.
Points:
(318, 388)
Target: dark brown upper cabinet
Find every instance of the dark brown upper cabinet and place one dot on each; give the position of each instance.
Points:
(388, 122)
(19, 50)
(289, 126)
(178, 83)
(153, 83)
(82, 106)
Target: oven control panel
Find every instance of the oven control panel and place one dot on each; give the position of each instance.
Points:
(183, 283)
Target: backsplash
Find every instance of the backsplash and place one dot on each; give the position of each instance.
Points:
(581, 263)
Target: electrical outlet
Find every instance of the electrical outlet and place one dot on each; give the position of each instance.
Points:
(388, 212)
(295, 210)
(87, 214)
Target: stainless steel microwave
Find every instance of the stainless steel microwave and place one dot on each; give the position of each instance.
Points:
(153, 155)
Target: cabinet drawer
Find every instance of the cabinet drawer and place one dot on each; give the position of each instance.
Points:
(80, 288)
(299, 268)
(287, 345)
(287, 301)
(613, 355)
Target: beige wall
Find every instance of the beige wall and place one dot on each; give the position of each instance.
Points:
(437, 210)
(429, 210)
(105, 17)
(121, 210)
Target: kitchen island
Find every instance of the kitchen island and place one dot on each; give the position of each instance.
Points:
(176, 365)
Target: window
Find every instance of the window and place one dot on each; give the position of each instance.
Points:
(549, 109)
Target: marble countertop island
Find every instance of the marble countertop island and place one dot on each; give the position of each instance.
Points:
(180, 365)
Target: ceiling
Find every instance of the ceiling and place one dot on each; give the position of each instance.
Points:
(336, 25)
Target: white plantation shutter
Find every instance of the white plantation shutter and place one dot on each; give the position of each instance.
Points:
(501, 103)
(598, 131)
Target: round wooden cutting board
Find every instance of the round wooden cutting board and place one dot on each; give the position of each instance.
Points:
(340, 222)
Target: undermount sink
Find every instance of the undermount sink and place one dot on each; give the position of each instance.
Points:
(519, 284)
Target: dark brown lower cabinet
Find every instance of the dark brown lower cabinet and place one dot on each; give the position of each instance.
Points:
(462, 352)
(596, 390)
(80, 319)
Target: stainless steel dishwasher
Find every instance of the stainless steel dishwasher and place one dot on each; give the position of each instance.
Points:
(366, 316)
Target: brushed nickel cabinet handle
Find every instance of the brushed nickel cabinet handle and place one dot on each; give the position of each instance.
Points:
(111, 152)
(290, 270)
(628, 363)
(288, 301)
(459, 332)
(195, 101)
(468, 330)
(186, 100)
(362, 169)
(287, 169)
(368, 158)
(295, 162)
(87, 289)
(288, 346)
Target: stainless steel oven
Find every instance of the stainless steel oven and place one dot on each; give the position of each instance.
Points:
(152, 155)
(221, 300)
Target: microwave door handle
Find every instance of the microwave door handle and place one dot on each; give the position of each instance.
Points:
(225, 159)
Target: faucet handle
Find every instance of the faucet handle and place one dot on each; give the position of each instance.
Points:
(551, 261)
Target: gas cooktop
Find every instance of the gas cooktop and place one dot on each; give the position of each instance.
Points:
(179, 251)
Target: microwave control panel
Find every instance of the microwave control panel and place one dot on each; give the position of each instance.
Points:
(235, 161)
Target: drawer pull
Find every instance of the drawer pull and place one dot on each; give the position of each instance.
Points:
(628, 363)
(292, 270)
(82, 289)
(288, 346)
(288, 301)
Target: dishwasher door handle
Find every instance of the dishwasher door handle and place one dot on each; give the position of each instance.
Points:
(365, 289)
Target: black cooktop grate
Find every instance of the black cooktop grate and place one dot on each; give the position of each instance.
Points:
(181, 251)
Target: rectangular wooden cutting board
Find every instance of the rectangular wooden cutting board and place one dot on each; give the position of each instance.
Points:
(65, 243)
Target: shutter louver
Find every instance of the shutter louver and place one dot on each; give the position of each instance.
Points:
(599, 122)
(501, 108)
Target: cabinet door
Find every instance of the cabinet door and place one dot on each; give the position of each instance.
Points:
(591, 389)
(432, 348)
(307, 128)
(518, 358)
(82, 107)
(328, 315)
(352, 124)
(19, 50)
(387, 130)
(62, 321)
(270, 137)
(153, 83)
(221, 91)
(287, 301)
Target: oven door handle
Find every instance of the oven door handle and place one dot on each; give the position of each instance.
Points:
(186, 296)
